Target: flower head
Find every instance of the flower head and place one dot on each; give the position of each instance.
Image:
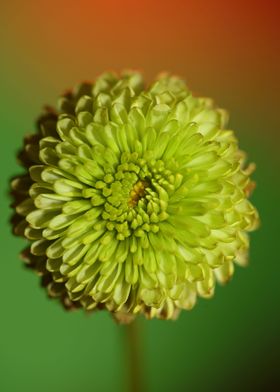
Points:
(135, 199)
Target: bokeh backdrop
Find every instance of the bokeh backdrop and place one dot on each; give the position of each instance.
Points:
(228, 50)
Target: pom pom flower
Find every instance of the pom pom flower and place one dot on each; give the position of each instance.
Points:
(134, 199)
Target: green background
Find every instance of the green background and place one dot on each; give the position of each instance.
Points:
(230, 342)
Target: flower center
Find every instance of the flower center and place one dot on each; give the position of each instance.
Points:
(134, 197)
(137, 192)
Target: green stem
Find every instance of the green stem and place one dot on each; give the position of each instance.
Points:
(134, 357)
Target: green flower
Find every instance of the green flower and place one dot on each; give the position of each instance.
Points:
(135, 199)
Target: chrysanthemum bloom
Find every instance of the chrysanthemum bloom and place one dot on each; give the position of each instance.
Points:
(134, 199)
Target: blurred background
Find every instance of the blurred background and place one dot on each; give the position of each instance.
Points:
(228, 50)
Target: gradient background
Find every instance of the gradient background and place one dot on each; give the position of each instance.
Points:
(228, 50)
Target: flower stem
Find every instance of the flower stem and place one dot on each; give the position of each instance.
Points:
(134, 357)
